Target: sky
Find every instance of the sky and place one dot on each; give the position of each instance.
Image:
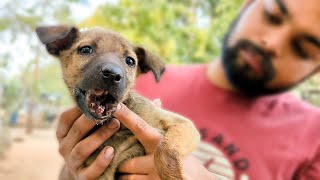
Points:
(20, 53)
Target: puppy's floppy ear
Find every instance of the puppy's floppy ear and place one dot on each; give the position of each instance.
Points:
(148, 61)
(57, 38)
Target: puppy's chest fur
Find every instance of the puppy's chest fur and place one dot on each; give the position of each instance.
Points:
(125, 144)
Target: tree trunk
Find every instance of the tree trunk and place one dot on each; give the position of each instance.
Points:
(33, 93)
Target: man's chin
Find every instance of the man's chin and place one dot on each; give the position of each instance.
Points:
(256, 91)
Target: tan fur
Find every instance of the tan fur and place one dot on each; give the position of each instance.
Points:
(180, 135)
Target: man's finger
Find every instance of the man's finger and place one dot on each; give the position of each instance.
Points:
(138, 165)
(147, 135)
(67, 118)
(133, 177)
(79, 129)
(98, 166)
(88, 145)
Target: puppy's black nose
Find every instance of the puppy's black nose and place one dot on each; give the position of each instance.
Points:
(112, 73)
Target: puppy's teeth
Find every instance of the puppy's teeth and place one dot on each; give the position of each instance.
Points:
(97, 122)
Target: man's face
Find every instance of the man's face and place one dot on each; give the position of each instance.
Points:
(273, 45)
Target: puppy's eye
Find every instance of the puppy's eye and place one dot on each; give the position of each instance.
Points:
(130, 61)
(85, 50)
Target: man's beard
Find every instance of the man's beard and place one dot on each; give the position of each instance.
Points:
(238, 75)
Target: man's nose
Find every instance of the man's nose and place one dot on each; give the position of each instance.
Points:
(275, 42)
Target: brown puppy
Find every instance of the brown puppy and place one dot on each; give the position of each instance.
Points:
(99, 67)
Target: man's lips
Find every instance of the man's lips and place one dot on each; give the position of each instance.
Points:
(254, 60)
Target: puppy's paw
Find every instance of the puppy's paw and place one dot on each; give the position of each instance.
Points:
(167, 162)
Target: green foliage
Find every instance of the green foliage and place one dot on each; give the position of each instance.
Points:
(310, 90)
(51, 82)
(12, 95)
(185, 31)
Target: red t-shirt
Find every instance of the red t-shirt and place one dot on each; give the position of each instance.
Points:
(274, 137)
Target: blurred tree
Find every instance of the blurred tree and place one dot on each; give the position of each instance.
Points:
(180, 31)
(18, 21)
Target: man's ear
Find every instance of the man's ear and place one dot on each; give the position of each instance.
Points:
(148, 61)
(57, 38)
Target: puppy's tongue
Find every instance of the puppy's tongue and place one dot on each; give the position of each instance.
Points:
(98, 92)
(100, 110)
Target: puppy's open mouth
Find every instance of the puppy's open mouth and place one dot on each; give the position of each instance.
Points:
(100, 104)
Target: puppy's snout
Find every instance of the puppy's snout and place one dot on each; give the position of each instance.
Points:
(112, 73)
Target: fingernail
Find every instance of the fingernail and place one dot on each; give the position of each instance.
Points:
(119, 107)
(113, 124)
(108, 153)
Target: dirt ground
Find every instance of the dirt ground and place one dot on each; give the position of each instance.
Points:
(32, 157)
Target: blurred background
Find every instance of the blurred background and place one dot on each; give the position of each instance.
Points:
(32, 93)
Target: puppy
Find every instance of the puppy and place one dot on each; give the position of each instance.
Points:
(99, 68)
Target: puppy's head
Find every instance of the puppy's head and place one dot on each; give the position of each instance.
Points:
(99, 66)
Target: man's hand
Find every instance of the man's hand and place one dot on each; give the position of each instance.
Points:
(73, 126)
(142, 168)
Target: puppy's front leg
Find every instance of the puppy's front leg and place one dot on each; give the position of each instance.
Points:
(180, 139)
(180, 136)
